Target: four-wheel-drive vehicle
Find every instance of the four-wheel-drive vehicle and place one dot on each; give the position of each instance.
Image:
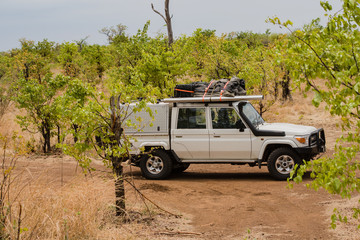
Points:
(229, 130)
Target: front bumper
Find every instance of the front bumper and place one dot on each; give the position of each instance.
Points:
(316, 145)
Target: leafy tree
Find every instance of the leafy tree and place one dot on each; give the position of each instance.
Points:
(115, 34)
(71, 104)
(82, 43)
(150, 59)
(4, 59)
(262, 74)
(332, 52)
(101, 122)
(70, 59)
(4, 82)
(96, 60)
(253, 40)
(39, 99)
(33, 60)
(212, 56)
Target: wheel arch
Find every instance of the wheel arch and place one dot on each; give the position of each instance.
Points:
(269, 147)
(150, 145)
(171, 153)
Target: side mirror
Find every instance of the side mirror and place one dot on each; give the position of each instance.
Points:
(240, 125)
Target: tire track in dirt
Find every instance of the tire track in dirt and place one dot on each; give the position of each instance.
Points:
(226, 201)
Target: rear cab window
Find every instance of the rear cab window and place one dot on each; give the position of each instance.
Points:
(191, 118)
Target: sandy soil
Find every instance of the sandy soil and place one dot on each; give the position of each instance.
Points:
(219, 201)
(235, 202)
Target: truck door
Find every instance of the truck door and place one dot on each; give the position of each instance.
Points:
(226, 141)
(190, 136)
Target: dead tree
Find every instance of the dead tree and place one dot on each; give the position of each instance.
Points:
(167, 19)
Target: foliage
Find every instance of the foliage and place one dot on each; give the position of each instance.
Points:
(33, 60)
(96, 60)
(39, 99)
(115, 34)
(139, 60)
(148, 59)
(262, 74)
(70, 59)
(100, 125)
(331, 52)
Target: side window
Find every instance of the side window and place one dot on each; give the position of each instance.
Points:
(191, 118)
(224, 118)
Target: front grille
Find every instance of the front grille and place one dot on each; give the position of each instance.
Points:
(317, 139)
(313, 139)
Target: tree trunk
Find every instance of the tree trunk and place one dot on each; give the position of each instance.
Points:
(285, 85)
(168, 22)
(167, 19)
(47, 140)
(119, 187)
(46, 134)
(75, 127)
(261, 108)
(59, 133)
(276, 90)
(115, 140)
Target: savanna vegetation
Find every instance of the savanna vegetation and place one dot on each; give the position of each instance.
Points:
(65, 90)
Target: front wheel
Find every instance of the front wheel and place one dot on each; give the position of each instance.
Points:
(157, 165)
(281, 162)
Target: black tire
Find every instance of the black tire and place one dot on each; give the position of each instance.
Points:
(181, 167)
(157, 165)
(281, 162)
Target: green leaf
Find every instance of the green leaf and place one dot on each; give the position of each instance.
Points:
(317, 99)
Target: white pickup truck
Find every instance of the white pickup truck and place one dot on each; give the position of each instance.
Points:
(228, 130)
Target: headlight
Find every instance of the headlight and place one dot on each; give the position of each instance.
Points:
(302, 139)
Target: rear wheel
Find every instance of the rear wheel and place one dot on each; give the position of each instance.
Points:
(281, 162)
(157, 165)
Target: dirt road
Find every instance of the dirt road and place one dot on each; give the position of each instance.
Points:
(225, 201)
(222, 201)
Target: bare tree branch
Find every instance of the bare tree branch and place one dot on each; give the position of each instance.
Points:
(167, 18)
(152, 6)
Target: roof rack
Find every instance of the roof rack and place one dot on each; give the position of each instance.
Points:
(212, 99)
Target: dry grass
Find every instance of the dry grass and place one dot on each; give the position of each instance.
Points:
(78, 210)
(83, 208)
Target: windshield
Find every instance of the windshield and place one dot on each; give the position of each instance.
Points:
(251, 114)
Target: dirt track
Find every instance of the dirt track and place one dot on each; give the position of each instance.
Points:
(226, 201)
(223, 201)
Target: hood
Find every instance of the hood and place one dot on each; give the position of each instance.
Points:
(289, 129)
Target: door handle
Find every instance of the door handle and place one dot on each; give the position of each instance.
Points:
(178, 136)
(216, 136)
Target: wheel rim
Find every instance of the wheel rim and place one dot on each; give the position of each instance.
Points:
(154, 165)
(284, 164)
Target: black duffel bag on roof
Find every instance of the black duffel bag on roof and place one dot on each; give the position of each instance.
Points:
(223, 87)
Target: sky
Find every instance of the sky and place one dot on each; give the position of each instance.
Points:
(71, 20)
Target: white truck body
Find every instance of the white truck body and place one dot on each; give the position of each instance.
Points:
(195, 130)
